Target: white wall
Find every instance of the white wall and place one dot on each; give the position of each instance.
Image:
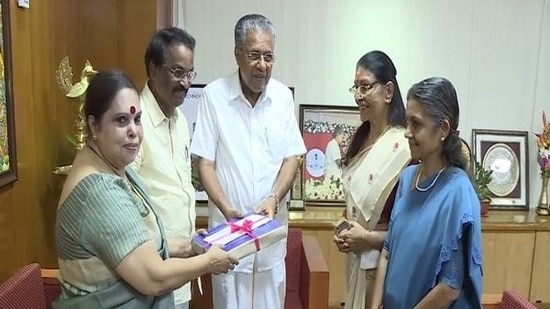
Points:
(496, 52)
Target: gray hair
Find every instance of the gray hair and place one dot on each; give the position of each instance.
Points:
(252, 22)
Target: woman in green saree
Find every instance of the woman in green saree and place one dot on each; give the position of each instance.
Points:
(111, 246)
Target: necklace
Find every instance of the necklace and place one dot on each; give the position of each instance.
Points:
(433, 181)
(128, 183)
(109, 165)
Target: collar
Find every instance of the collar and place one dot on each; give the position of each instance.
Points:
(152, 107)
(236, 91)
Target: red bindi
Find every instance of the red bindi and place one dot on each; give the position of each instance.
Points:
(132, 110)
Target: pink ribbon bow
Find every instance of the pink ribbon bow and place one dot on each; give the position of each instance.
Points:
(246, 228)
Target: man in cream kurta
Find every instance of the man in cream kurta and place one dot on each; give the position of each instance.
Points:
(163, 161)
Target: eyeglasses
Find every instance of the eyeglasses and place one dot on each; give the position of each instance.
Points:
(181, 74)
(363, 89)
(256, 56)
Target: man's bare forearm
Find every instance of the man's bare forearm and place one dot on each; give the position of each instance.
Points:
(286, 176)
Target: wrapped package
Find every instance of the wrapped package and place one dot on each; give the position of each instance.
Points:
(242, 237)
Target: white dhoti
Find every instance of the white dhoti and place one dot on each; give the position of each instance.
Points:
(243, 290)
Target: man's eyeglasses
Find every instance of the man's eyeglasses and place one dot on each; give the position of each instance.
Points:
(363, 89)
(256, 56)
(181, 74)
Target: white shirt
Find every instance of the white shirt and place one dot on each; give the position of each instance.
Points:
(332, 153)
(164, 165)
(248, 145)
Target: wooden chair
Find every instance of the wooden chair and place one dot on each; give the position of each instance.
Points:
(506, 300)
(27, 289)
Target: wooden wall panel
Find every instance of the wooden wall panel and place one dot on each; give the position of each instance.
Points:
(164, 14)
(41, 37)
(68, 32)
(7, 231)
(100, 38)
(25, 196)
(46, 132)
(132, 43)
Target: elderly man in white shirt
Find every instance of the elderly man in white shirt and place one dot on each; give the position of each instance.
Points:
(247, 140)
(164, 161)
(333, 154)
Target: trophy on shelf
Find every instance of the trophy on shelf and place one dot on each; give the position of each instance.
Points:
(76, 91)
(296, 191)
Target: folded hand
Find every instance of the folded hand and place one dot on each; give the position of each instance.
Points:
(356, 237)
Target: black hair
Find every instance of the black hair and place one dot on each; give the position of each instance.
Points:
(155, 52)
(101, 92)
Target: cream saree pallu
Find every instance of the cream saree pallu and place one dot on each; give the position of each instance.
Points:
(369, 180)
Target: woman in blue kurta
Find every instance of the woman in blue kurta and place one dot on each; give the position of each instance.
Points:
(432, 255)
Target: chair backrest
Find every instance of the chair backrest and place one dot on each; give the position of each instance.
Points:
(293, 259)
(514, 300)
(24, 289)
(52, 289)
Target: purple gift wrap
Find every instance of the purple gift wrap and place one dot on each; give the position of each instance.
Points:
(242, 237)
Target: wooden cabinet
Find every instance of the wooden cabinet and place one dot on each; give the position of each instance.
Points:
(540, 280)
(507, 261)
(336, 265)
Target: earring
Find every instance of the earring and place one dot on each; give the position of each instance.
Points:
(94, 137)
(443, 139)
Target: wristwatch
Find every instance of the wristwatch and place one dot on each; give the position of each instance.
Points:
(277, 201)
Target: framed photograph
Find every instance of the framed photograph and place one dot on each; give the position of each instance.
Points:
(327, 132)
(506, 154)
(8, 159)
(190, 108)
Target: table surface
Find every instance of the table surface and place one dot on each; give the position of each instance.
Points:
(497, 220)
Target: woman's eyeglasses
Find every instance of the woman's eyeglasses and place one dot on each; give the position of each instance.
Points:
(362, 89)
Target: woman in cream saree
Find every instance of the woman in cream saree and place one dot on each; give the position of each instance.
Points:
(377, 154)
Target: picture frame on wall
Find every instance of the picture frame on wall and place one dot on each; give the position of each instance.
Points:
(190, 108)
(8, 158)
(505, 152)
(327, 132)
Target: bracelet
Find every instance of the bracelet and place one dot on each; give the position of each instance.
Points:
(277, 201)
(273, 195)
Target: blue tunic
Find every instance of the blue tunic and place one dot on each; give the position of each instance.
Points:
(434, 236)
